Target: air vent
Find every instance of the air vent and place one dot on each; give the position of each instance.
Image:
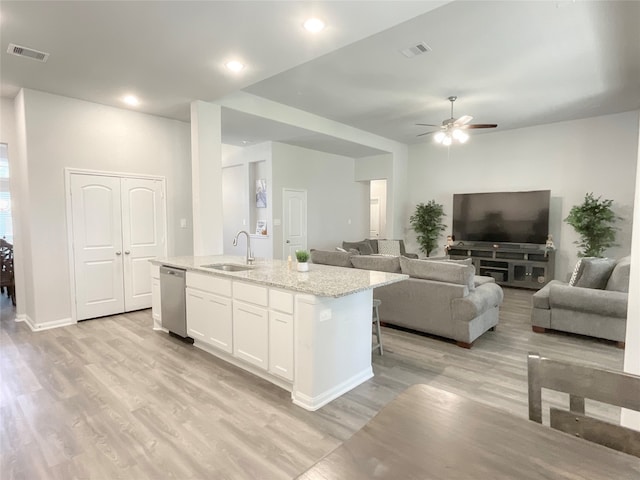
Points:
(27, 52)
(417, 49)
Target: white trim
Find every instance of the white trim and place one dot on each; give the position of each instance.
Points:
(38, 327)
(319, 401)
(68, 171)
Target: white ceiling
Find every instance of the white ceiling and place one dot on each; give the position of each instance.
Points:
(515, 63)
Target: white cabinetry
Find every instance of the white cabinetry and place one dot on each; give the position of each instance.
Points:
(209, 312)
(251, 324)
(281, 334)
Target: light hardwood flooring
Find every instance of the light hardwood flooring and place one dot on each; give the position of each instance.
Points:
(110, 398)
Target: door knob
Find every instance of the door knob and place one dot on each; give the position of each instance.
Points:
(118, 253)
(288, 241)
(127, 252)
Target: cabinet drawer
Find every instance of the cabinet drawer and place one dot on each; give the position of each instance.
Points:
(209, 283)
(281, 301)
(250, 293)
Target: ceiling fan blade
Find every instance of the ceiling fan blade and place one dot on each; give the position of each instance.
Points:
(463, 120)
(426, 133)
(427, 125)
(480, 125)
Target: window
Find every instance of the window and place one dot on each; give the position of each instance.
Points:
(6, 225)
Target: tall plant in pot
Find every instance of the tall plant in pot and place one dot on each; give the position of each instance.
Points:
(593, 220)
(426, 221)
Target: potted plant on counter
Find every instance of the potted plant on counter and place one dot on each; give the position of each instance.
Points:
(302, 256)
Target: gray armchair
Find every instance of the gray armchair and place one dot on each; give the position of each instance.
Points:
(596, 312)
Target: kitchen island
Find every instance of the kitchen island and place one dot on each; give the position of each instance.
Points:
(307, 332)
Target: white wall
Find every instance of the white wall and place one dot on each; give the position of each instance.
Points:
(333, 197)
(379, 193)
(240, 166)
(63, 132)
(596, 155)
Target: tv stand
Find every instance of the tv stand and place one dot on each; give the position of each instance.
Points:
(512, 265)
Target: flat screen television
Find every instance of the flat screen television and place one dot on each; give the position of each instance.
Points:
(505, 217)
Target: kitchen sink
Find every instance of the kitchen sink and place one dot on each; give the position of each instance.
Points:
(228, 267)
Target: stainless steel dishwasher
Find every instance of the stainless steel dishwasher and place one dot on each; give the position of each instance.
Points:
(172, 299)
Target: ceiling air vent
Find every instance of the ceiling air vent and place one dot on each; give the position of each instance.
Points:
(417, 49)
(27, 52)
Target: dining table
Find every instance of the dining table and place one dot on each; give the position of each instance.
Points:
(429, 433)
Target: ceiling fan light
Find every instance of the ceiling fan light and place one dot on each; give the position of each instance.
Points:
(459, 135)
(446, 140)
(439, 137)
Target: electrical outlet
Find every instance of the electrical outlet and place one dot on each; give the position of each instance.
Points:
(183, 223)
(325, 314)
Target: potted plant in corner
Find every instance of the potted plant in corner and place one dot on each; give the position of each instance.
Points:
(593, 220)
(302, 256)
(426, 221)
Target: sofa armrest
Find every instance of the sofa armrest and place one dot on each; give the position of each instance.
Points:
(410, 255)
(540, 299)
(590, 300)
(483, 298)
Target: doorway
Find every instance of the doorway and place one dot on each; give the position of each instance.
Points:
(378, 209)
(117, 224)
(294, 217)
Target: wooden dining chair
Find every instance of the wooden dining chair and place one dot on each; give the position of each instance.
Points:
(7, 278)
(580, 382)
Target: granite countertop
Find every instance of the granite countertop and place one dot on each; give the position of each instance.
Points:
(320, 280)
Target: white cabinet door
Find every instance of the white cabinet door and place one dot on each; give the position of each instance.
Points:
(143, 237)
(281, 344)
(209, 319)
(250, 334)
(97, 245)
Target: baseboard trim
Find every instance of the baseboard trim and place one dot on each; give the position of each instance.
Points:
(38, 327)
(319, 401)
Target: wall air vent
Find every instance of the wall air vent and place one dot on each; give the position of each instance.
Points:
(417, 49)
(27, 52)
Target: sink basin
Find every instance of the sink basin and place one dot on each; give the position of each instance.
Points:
(228, 267)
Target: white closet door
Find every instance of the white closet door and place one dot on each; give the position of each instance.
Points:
(97, 239)
(294, 217)
(143, 235)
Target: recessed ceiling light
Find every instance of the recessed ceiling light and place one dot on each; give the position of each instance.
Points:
(313, 25)
(131, 100)
(234, 65)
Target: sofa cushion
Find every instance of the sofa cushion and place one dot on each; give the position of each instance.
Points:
(595, 272)
(619, 279)
(380, 263)
(364, 247)
(577, 271)
(336, 259)
(440, 271)
(482, 280)
(594, 301)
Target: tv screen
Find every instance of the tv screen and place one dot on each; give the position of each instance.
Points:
(513, 217)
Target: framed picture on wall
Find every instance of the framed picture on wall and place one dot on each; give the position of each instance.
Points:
(261, 227)
(261, 193)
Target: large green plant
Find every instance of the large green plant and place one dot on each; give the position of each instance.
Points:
(426, 221)
(593, 220)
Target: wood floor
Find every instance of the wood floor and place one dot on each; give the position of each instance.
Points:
(111, 398)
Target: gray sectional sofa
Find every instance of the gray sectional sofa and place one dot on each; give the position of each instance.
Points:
(443, 298)
(594, 303)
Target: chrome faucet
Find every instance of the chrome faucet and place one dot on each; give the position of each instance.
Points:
(250, 258)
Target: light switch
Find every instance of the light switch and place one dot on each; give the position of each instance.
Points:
(183, 223)
(325, 314)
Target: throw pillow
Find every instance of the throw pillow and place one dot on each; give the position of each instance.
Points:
(577, 271)
(595, 273)
(440, 271)
(326, 257)
(619, 279)
(340, 249)
(363, 247)
(379, 263)
(389, 247)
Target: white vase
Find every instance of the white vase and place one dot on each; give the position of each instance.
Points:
(303, 267)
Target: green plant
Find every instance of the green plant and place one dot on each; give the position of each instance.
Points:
(593, 220)
(426, 221)
(302, 256)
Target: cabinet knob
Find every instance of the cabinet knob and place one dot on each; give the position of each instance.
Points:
(118, 253)
(127, 252)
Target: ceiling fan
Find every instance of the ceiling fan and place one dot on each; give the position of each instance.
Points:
(453, 129)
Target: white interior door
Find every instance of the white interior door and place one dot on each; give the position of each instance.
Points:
(374, 220)
(97, 245)
(143, 237)
(294, 217)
